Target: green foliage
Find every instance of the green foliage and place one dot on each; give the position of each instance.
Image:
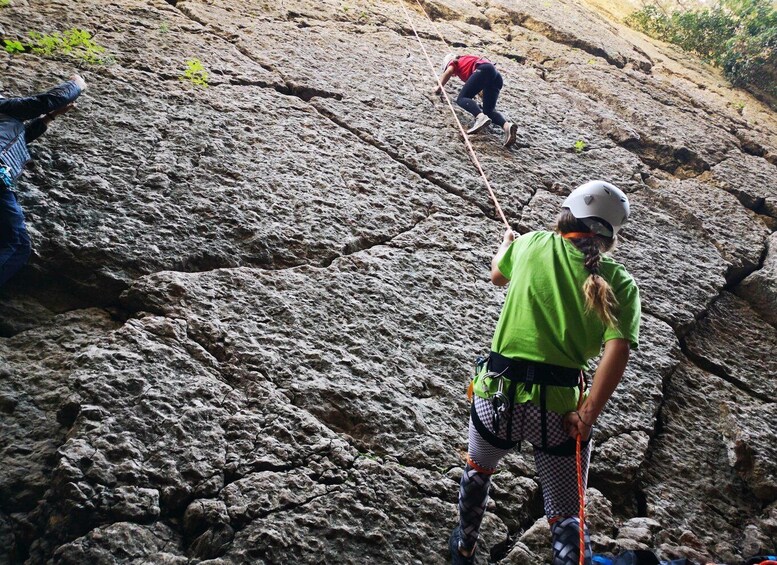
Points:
(72, 42)
(196, 73)
(4, 3)
(13, 46)
(650, 20)
(579, 146)
(164, 27)
(740, 36)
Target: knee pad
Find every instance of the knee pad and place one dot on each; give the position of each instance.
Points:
(566, 542)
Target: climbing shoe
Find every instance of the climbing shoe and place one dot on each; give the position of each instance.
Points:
(480, 122)
(453, 543)
(511, 132)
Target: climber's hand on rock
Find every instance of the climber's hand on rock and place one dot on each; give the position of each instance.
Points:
(79, 81)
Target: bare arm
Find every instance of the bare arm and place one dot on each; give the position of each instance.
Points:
(606, 379)
(446, 76)
(496, 276)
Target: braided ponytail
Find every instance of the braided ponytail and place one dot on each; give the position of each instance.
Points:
(599, 296)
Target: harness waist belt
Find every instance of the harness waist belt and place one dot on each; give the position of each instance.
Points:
(519, 370)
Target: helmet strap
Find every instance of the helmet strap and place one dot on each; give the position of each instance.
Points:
(578, 234)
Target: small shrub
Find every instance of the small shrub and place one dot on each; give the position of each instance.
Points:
(196, 73)
(45, 44)
(4, 3)
(72, 42)
(164, 27)
(13, 46)
(579, 146)
(740, 36)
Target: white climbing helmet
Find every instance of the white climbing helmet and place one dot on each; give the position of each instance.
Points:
(603, 207)
(447, 61)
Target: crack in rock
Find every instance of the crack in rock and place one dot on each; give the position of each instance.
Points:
(679, 161)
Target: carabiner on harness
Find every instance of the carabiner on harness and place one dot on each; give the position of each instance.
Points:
(500, 401)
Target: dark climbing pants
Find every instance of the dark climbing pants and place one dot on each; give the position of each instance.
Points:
(557, 474)
(14, 241)
(487, 79)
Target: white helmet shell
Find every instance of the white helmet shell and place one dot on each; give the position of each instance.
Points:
(447, 61)
(598, 200)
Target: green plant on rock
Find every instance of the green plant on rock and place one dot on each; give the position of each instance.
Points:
(164, 27)
(45, 44)
(4, 3)
(72, 42)
(13, 46)
(196, 73)
(579, 146)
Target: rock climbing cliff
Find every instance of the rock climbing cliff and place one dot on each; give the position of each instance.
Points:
(253, 307)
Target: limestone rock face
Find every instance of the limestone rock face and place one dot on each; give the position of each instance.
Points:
(760, 288)
(247, 327)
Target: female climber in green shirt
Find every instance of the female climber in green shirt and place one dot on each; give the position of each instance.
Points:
(566, 300)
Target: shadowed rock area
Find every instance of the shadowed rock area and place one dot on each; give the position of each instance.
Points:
(252, 310)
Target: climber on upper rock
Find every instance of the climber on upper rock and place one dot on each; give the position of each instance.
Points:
(566, 301)
(479, 75)
(22, 120)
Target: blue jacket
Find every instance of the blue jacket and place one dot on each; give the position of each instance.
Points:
(21, 121)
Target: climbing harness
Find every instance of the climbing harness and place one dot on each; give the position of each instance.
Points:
(508, 372)
(468, 143)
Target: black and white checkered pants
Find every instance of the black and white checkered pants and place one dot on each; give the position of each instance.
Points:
(557, 473)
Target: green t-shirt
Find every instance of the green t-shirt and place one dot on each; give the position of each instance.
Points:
(544, 317)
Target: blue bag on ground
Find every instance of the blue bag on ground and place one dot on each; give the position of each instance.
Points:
(643, 557)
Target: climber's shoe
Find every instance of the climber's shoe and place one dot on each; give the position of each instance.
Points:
(457, 558)
(511, 132)
(480, 122)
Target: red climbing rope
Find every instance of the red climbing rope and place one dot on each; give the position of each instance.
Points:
(581, 496)
(453, 111)
(579, 465)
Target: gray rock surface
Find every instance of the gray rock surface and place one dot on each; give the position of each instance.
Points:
(760, 288)
(247, 327)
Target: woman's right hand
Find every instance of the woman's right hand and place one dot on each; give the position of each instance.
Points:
(575, 426)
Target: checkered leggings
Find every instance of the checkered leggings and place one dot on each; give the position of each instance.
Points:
(557, 473)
